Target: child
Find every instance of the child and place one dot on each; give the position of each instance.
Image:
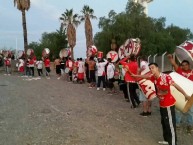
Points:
(39, 65)
(110, 76)
(47, 66)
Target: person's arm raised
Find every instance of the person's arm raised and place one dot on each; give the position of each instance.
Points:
(141, 76)
(172, 61)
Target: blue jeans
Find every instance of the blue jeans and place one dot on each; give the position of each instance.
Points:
(188, 117)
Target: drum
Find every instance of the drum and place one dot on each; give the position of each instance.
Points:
(6, 53)
(185, 52)
(121, 52)
(20, 54)
(146, 86)
(45, 52)
(30, 52)
(100, 54)
(92, 51)
(132, 46)
(64, 53)
(187, 85)
(113, 55)
(66, 70)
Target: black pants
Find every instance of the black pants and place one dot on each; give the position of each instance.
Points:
(28, 72)
(47, 71)
(92, 78)
(111, 83)
(70, 75)
(32, 71)
(123, 87)
(101, 78)
(87, 76)
(168, 121)
(133, 95)
(40, 72)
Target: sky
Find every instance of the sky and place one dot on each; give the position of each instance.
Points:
(43, 16)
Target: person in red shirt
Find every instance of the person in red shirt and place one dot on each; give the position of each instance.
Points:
(31, 65)
(47, 67)
(69, 66)
(8, 65)
(130, 68)
(184, 70)
(166, 100)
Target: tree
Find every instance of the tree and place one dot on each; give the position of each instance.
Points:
(179, 35)
(55, 41)
(23, 5)
(133, 23)
(87, 15)
(70, 22)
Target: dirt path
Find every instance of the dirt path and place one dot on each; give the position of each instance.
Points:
(54, 112)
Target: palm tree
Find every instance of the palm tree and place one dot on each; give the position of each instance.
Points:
(70, 22)
(87, 15)
(23, 5)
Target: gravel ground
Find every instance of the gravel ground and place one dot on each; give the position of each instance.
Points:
(55, 112)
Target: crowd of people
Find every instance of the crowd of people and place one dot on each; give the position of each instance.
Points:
(102, 74)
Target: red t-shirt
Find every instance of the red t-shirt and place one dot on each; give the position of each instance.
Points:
(31, 62)
(163, 83)
(132, 66)
(187, 74)
(7, 62)
(69, 64)
(47, 62)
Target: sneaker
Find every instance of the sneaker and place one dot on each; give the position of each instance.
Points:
(98, 89)
(149, 113)
(58, 78)
(104, 89)
(163, 142)
(90, 87)
(144, 114)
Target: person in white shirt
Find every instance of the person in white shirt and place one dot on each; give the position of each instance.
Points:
(81, 70)
(101, 73)
(146, 103)
(39, 65)
(110, 76)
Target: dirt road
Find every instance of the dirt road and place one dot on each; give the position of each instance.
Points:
(55, 112)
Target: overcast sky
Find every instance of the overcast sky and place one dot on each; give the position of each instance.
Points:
(43, 16)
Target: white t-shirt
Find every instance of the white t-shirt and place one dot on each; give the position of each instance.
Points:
(101, 68)
(110, 71)
(80, 67)
(39, 64)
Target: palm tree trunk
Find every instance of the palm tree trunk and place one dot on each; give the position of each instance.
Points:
(88, 33)
(72, 53)
(24, 31)
(25, 36)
